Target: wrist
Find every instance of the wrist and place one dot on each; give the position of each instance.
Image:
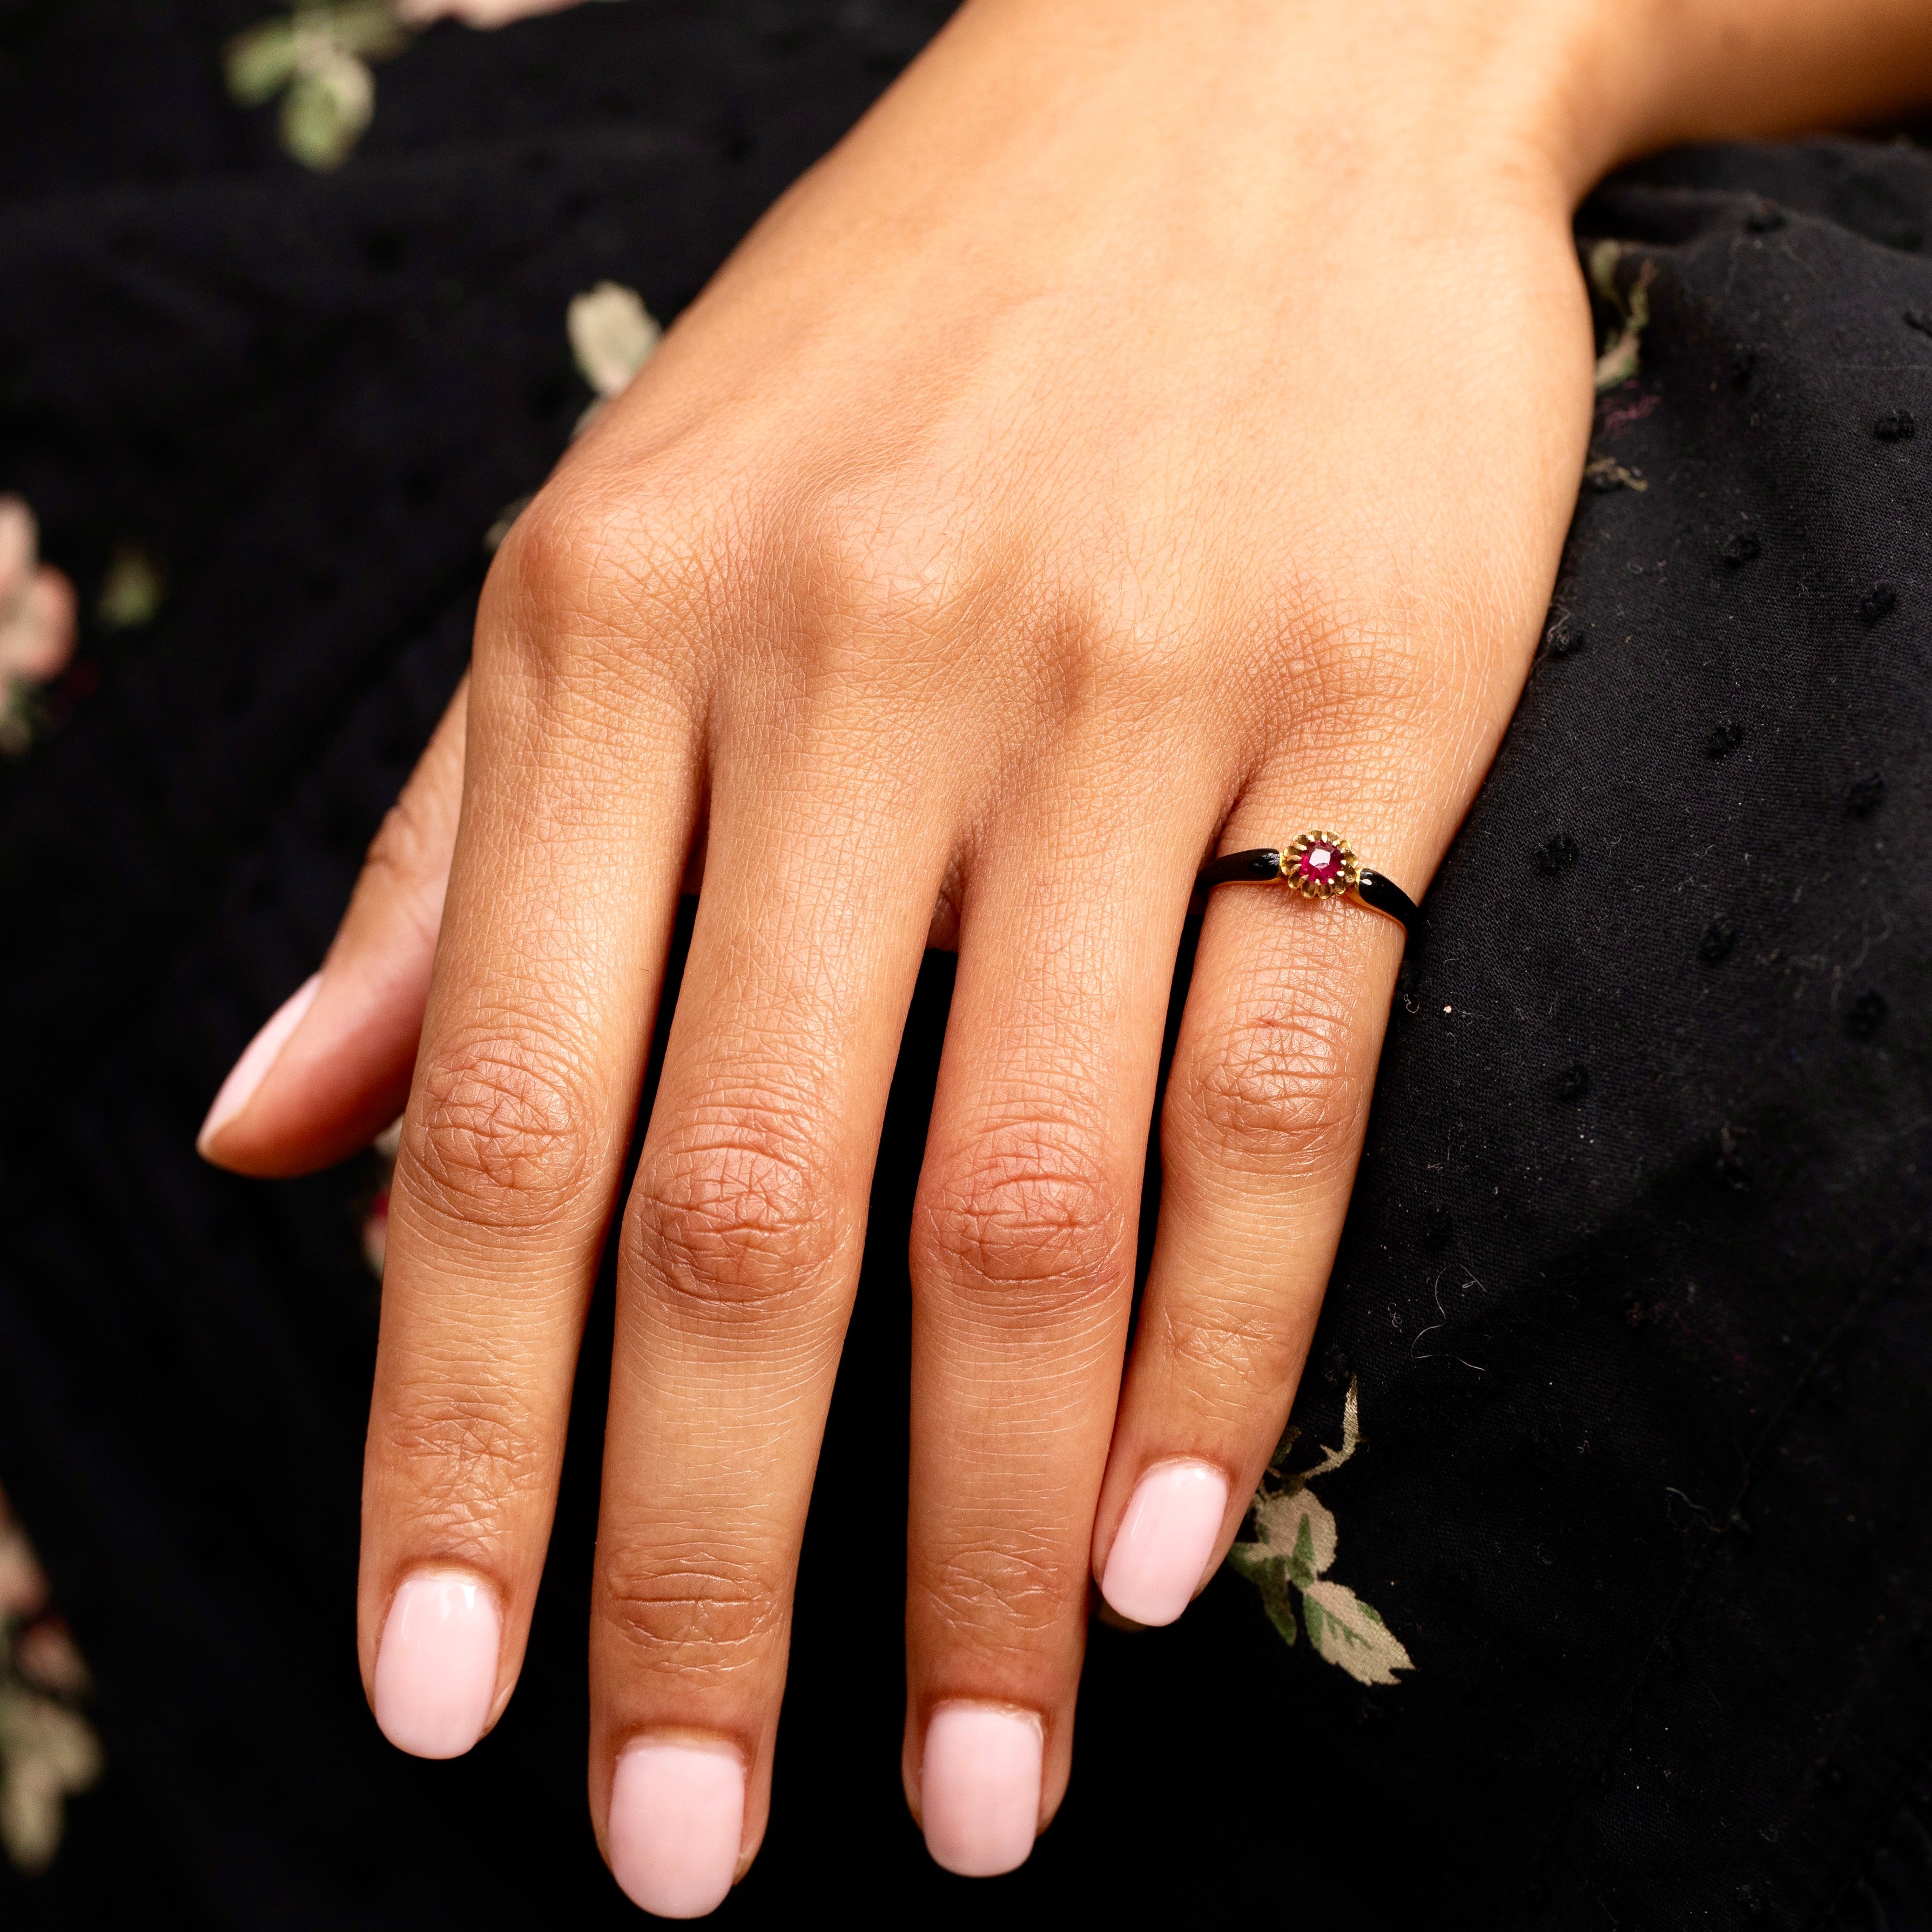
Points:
(1548, 90)
(1645, 74)
(1560, 91)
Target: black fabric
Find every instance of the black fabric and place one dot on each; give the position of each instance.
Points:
(1635, 1289)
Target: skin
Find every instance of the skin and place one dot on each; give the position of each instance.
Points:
(1151, 433)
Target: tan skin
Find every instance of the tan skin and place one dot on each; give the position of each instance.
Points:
(1152, 432)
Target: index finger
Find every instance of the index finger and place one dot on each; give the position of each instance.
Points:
(581, 794)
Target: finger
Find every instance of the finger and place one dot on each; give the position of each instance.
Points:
(331, 1069)
(1267, 1102)
(1022, 1270)
(741, 1249)
(580, 794)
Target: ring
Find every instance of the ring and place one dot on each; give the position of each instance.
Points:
(1319, 865)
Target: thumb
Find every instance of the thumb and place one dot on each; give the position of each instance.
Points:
(332, 1068)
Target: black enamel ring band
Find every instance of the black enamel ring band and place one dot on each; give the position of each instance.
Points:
(1319, 865)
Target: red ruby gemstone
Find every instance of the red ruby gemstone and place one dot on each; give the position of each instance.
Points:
(1322, 863)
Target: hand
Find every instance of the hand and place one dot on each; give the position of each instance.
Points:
(1152, 433)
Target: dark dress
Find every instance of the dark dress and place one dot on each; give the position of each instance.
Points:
(1635, 1293)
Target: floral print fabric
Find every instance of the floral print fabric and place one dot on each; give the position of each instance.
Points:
(49, 1752)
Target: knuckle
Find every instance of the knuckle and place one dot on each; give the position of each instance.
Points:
(692, 1608)
(1361, 683)
(587, 570)
(1028, 1218)
(1001, 1584)
(1337, 670)
(469, 1454)
(735, 1212)
(1130, 643)
(878, 558)
(1243, 1355)
(543, 564)
(496, 1135)
(1280, 1091)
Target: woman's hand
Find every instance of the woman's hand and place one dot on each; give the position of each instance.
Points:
(1152, 432)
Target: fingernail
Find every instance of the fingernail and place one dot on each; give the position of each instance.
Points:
(979, 1788)
(1161, 1550)
(261, 1052)
(677, 1820)
(436, 1669)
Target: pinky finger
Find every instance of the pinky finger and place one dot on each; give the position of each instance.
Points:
(1260, 1136)
(332, 1068)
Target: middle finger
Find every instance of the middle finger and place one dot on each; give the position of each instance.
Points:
(740, 1252)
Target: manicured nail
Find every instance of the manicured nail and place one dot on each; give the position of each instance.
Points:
(677, 1820)
(436, 1670)
(979, 1788)
(1161, 1550)
(252, 1068)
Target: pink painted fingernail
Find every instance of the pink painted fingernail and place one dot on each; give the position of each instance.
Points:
(1162, 1549)
(979, 1788)
(252, 1068)
(436, 1669)
(677, 1821)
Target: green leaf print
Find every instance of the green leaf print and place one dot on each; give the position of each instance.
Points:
(1347, 1631)
(1279, 1604)
(1295, 1540)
